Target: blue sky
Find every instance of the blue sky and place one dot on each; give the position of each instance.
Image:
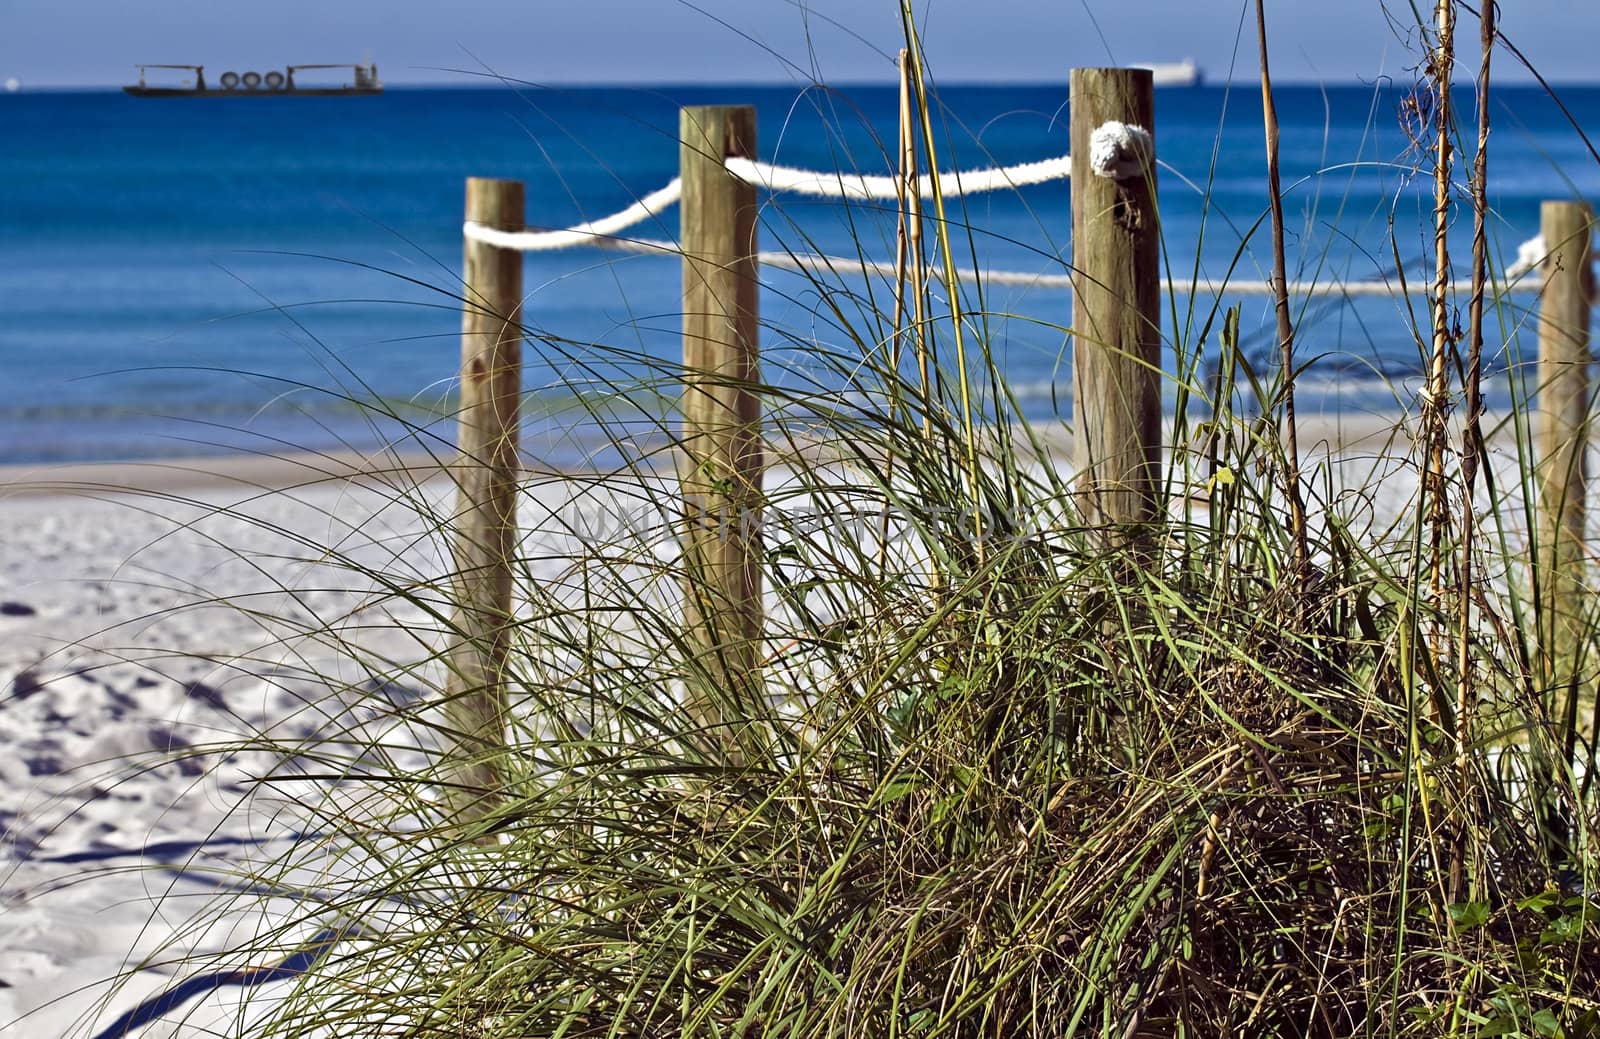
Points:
(97, 42)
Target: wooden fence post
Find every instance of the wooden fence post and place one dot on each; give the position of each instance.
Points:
(721, 463)
(1561, 440)
(1116, 309)
(486, 474)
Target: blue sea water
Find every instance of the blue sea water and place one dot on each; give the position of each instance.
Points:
(182, 276)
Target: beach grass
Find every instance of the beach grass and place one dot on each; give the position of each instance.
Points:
(1284, 776)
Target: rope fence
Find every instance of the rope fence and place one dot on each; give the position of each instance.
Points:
(785, 179)
(853, 185)
(720, 441)
(826, 263)
(1114, 148)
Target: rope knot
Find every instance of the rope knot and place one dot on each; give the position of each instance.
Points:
(1529, 255)
(1119, 151)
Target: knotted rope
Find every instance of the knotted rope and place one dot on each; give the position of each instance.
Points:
(1117, 150)
(839, 185)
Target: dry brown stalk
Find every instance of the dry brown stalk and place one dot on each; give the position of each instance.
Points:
(1280, 276)
(910, 263)
(1435, 398)
(911, 210)
(904, 190)
(1471, 442)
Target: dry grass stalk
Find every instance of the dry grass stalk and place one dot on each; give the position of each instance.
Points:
(958, 334)
(1472, 443)
(1440, 67)
(1291, 447)
(906, 189)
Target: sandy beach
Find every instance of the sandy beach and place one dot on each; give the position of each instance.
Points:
(919, 611)
(170, 634)
(148, 609)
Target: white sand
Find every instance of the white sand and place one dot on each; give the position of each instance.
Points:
(133, 624)
(136, 623)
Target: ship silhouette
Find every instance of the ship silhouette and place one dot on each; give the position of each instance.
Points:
(255, 84)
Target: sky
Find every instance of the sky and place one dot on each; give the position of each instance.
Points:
(53, 43)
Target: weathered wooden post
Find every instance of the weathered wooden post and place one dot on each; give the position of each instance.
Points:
(486, 472)
(1116, 301)
(721, 463)
(1562, 437)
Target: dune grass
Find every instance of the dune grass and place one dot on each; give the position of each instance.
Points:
(1286, 777)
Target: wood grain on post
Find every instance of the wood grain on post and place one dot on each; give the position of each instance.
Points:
(721, 462)
(486, 473)
(1116, 312)
(1561, 438)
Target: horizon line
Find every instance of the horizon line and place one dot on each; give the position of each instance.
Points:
(510, 83)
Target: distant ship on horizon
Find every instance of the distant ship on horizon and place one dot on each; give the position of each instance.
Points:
(1183, 73)
(254, 84)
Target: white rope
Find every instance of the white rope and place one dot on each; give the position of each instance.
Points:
(582, 234)
(774, 178)
(843, 184)
(1529, 254)
(1119, 151)
(1116, 150)
(1352, 289)
(823, 263)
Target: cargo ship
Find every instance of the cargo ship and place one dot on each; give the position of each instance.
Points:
(256, 84)
(1183, 73)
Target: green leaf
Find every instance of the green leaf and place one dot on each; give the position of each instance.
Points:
(900, 786)
(1467, 915)
(1562, 929)
(1500, 1025)
(1546, 1024)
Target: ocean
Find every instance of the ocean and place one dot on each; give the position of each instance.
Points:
(192, 276)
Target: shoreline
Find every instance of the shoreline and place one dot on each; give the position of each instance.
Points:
(248, 471)
(1319, 434)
